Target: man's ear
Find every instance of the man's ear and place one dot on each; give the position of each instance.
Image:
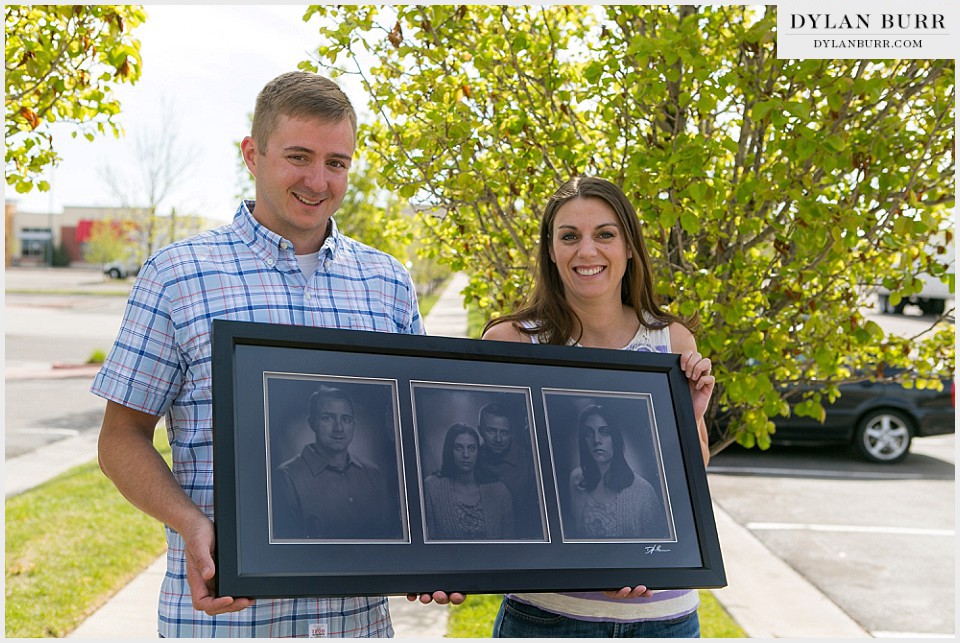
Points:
(248, 148)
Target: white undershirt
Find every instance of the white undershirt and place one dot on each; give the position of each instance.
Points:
(308, 263)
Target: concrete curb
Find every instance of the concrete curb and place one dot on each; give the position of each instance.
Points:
(36, 467)
(51, 371)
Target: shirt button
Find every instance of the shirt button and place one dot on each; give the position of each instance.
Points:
(307, 296)
(269, 261)
(284, 245)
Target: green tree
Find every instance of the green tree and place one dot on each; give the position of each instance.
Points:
(373, 216)
(774, 193)
(109, 241)
(62, 62)
(380, 219)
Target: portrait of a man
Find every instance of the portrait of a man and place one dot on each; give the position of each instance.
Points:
(329, 490)
(506, 457)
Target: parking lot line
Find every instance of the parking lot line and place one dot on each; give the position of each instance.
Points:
(810, 473)
(851, 529)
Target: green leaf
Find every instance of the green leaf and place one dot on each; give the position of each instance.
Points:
(690, 222)
(761, 109)
(836, 143)
(697, 191)
(806, 148)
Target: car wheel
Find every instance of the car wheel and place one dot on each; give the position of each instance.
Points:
(933, 307)
(888, 309)
(884, 436)
(114, 273)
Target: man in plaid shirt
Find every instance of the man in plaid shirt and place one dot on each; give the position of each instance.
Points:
(281, 260)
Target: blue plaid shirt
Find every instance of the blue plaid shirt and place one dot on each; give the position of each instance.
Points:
(161, 365)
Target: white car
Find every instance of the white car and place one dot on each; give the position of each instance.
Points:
(120, 269)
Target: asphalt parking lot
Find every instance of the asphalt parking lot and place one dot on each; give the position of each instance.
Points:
(877, 539)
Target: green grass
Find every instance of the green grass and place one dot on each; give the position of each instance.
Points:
(427, 301)
(476, 320)
(474, 618)
(715, 623)
(71, 543)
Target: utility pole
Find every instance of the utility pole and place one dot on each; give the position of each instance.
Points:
(48, 254)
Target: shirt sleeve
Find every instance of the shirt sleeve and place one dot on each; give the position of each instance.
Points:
(143, 370)
(414, 325)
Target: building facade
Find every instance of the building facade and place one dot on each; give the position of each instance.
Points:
(32, 238)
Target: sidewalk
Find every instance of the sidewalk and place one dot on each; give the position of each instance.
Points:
(766, 597)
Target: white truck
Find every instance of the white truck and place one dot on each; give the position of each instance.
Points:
(932, 299)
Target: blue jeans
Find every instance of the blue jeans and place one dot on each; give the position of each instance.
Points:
(519, 620)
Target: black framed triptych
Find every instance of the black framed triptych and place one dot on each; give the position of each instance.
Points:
(360, 463)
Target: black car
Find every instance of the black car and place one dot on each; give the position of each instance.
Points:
(878, 419)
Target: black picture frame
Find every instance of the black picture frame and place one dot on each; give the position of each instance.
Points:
(410, 398)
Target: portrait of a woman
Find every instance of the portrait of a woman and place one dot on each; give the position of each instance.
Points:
(608, 499)
(457, 505)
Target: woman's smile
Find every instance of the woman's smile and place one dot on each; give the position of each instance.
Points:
(589, 271)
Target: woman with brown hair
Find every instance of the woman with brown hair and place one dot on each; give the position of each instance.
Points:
(457, 505)
(608, 499)
(594, 287)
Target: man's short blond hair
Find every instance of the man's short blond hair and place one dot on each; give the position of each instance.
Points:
(299, 94)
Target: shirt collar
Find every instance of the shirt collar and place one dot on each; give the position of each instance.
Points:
(512, 457)
(317, 461)
(334, 241)
(269, 246)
